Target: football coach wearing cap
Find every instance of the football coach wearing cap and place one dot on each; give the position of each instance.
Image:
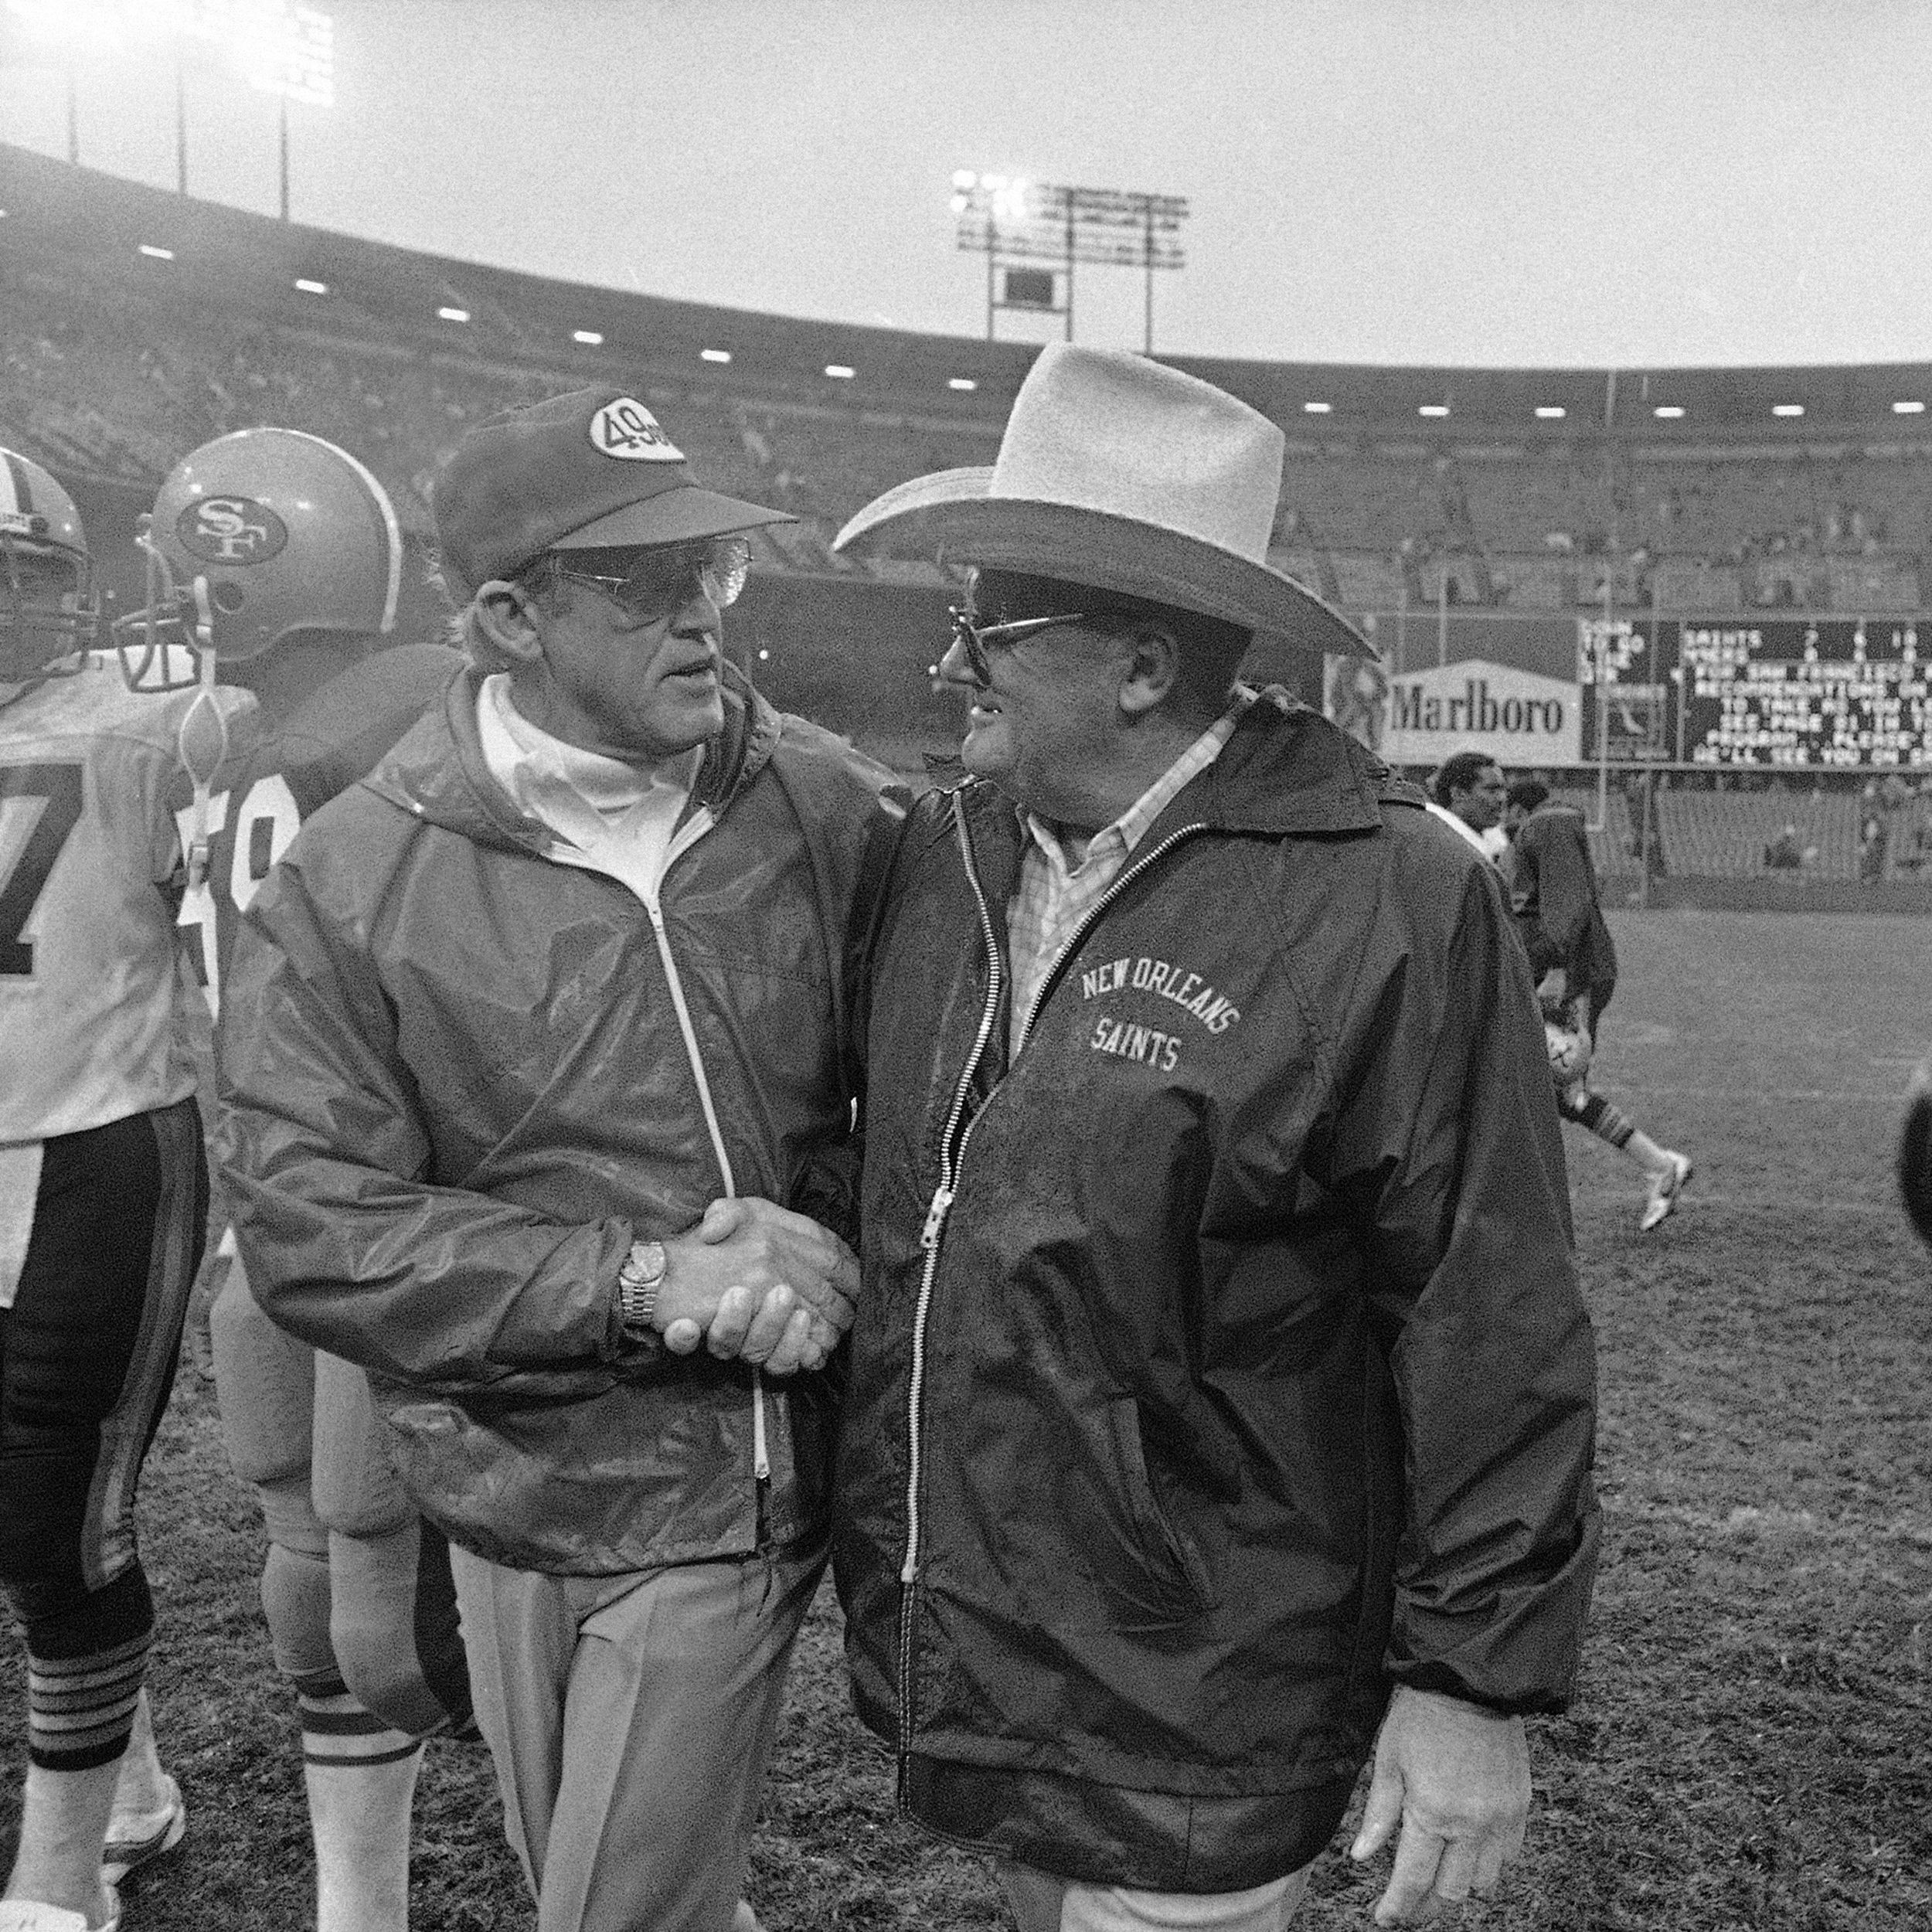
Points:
(536, 1072)
(1220, 1370)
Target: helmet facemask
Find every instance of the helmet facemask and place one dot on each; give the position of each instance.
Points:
(161, 644)
(50, 618)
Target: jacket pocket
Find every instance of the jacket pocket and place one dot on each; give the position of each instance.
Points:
(1171, 1557)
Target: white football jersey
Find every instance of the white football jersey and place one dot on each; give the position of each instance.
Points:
(90, 997)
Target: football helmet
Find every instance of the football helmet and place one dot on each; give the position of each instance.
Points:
(49, 617)
(261, 533)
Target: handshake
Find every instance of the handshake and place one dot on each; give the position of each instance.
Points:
(755, 1281)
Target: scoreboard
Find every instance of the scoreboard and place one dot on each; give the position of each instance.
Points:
(1822, 691)
(1732, 694)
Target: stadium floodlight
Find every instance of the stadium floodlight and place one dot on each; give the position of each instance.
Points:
(1667, 412)
(449, 314)
(1433, 409)
(1902, 408)
(158, 254)
(1788, 409)
(311, 287)
(960, 382)
(588, 337)
(1551, 412)
(278, 45)
(714, 354)
(1318, 409)
(1009, 218)
(842, 371)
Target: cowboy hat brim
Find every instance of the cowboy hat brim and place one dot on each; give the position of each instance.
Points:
(953, 510)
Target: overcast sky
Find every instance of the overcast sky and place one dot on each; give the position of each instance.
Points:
(1634, 182)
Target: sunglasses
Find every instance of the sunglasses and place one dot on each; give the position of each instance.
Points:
(660, 578)
(974, 639)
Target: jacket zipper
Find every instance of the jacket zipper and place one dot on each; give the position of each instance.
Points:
(694, 828)
(950, 1156)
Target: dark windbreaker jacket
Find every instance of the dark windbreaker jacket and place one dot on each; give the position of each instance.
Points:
(1221, 1360)
(460, 1077)
(1554, 890)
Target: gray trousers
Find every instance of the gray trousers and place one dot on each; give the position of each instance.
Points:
(630, 1718)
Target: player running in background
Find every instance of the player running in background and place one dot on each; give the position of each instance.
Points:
(1553, 891)
(293, 547)
(103, 1191)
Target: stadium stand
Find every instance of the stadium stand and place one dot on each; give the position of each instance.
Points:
(134, 324)
(1711, 834)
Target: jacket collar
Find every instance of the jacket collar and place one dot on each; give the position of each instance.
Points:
(438, 773)
(1286, 772)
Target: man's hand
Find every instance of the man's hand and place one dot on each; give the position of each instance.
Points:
(1552, 990)
(1457, 1776)
(756, 1281)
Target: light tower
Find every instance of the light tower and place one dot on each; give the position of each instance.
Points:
(1012, 221)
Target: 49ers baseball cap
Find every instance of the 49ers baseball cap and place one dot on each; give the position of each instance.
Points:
(593, 469)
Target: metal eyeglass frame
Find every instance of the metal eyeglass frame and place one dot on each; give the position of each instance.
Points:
(721, 564)
(973, 638)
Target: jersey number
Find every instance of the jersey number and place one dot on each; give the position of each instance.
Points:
(56, 790)
(266, 823)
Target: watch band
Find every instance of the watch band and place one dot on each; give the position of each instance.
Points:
(639, 1278)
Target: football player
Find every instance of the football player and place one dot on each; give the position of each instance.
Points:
(1554, 892)
(103, 1189)
(279, 552)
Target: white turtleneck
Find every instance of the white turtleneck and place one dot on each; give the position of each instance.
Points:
(608, 816)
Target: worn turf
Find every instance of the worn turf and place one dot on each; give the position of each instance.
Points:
(1751, 1745)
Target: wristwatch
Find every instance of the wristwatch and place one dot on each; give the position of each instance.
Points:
(638, 1280)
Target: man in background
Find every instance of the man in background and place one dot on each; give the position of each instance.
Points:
(1469, 792)
(1560, 914)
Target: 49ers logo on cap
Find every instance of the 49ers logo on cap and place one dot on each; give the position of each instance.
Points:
(231, 529)
(625, 428)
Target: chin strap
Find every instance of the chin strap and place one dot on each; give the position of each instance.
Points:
(201, 742)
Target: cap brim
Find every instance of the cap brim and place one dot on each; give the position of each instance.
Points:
(952, 511)
(674, 516)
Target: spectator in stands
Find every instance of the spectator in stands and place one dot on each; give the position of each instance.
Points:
(1554, 892)
(1469, 791)
(1784, 853)
(1872, 839)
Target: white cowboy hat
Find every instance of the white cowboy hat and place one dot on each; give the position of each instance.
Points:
(1118, 472)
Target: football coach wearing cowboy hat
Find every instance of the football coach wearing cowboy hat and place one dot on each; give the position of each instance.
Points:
(1221, 1389)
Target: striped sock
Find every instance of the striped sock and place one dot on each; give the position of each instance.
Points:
(1592, 1111)
(80, 1710)
(338, 1734)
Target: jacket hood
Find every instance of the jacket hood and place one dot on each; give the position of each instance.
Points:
(437, 771)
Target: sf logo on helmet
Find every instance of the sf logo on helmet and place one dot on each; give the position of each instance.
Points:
(230, 530)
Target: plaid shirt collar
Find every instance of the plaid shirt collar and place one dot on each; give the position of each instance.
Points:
(1051, 897)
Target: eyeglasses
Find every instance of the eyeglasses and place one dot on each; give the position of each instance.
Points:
(974, 639)
(660, 578)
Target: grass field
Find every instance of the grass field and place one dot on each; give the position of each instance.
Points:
(1752, 1747)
